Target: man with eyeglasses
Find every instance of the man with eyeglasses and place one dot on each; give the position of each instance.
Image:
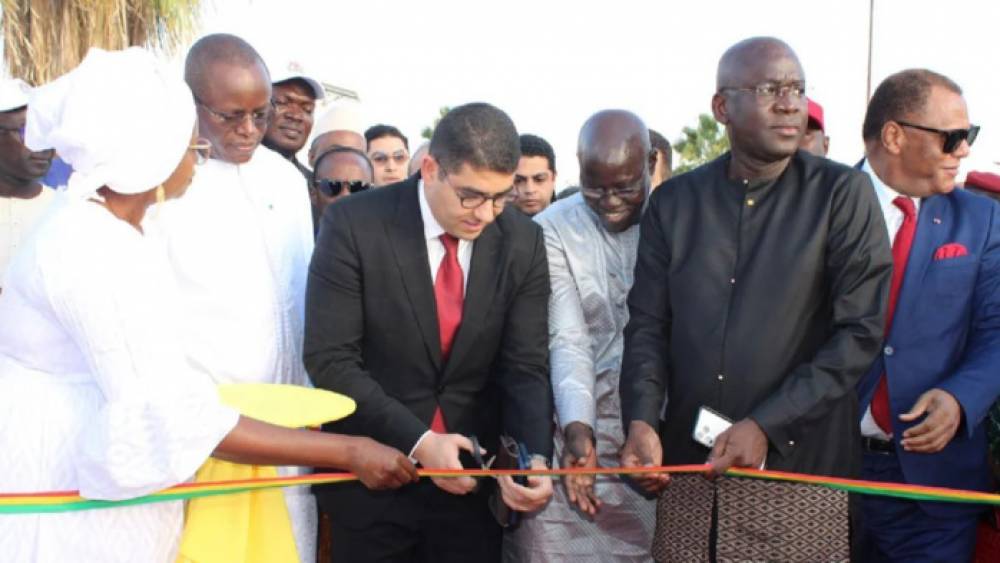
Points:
(758, 302)
(925, 397)
(240, 241)
(339, 172)
(23, 198)
(294, 94)
(591, 241)
(427, 304)
(389, 151)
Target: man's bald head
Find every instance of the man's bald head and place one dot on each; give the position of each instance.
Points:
(760, 98)
(616, 161)
(218, 48)
(737, 62)
(613, 137)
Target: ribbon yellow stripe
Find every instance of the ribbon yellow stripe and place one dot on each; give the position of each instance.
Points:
(66, 501)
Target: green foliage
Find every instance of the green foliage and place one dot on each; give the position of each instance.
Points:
(428, 132)
(701, 144)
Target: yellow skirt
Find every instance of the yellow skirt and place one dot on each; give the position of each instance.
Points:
(254, 527)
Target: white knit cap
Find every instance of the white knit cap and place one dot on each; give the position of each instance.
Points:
(14, 94)
(121, 119)
(345, 116)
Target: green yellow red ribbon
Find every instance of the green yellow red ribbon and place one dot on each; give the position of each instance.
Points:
(67, 501)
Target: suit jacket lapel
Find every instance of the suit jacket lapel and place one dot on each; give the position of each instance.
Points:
(479, 293)
(407, 235)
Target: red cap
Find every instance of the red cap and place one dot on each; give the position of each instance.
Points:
(984, 181)
(816, 115)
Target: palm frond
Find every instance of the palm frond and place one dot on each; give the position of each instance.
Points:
(43, 39)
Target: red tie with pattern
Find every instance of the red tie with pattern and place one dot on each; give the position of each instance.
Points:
(900, 255)
(449, 296)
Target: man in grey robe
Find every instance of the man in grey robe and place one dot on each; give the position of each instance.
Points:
(591, 240)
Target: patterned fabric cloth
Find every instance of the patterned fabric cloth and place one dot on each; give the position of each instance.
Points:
(757, 521)
(591, 274)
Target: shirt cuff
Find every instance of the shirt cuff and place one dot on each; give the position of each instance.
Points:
(417, 445)
(576, 407)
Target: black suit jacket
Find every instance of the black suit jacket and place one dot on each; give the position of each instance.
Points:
(372, 333)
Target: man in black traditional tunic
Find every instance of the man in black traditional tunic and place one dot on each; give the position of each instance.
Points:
(760, 293)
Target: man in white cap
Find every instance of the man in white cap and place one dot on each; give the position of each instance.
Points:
(340, 126)
(294, 94)
(22, 197)
(240, 240)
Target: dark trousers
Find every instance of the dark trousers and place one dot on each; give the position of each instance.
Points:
(900, 530)
(423, 525)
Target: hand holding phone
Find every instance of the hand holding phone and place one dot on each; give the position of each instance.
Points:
(708, 425)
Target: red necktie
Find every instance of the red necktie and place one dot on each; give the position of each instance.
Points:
(449, 296)
(900, 255)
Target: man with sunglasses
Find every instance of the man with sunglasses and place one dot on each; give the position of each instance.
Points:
(294, 94)
(924, 399)
(758, 303)
(339, 172)
(23, 198)
(389, 151)
(428, 304)
(240, 240)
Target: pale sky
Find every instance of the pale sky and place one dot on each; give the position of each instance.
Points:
(550, 65)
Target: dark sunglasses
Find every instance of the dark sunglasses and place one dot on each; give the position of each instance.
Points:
(952, 137)
(333, 188)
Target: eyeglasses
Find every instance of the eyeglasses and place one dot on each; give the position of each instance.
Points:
(769, 91)
(16, 131)
(202, 150)
(260, 118)
(333, 188)
(471, 198)
(381, 158)
(952, 137)
(598, 192)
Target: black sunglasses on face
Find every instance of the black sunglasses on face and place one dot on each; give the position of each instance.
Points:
(952, 137)
(333, 188)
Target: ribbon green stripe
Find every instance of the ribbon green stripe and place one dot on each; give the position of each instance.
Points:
(87, 504)
(219, 490)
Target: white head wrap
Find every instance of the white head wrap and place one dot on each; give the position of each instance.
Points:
(344, 116)
(14, 94)
(120, 119)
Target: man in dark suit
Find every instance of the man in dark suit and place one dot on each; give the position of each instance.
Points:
(924, 399)
(429, 307)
